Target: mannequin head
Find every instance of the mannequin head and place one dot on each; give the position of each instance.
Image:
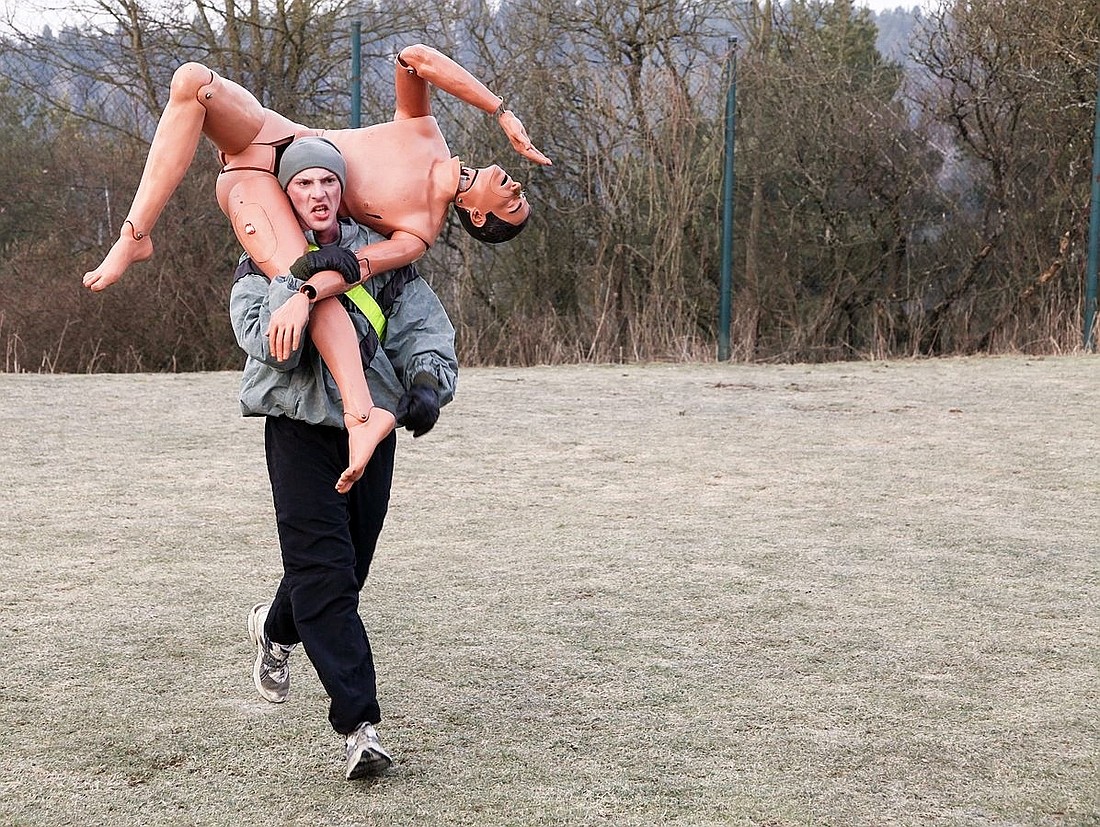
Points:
(491, 206)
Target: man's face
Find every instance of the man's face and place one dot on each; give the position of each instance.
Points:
(315, 195)
(494, 191)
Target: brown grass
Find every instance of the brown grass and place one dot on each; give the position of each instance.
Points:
(839, 594)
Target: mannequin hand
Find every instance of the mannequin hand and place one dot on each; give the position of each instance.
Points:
(329, 257)
(516, 133)
(284, 334)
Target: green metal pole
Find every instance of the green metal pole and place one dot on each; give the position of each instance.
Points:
(725, 300)
(356, 77)
(1094, 231)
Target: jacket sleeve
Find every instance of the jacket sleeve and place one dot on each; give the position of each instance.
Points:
(251, 303)
(420, 340)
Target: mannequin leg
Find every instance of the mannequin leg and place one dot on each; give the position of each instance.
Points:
(265, 226)
(196, 95)
(333, 334)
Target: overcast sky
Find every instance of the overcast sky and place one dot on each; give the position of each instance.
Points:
(31, 15)
(880, 5)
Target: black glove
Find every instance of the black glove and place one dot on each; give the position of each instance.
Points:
(329, 257)
(418, 409)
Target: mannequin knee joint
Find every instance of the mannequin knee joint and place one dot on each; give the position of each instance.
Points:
(189, 79)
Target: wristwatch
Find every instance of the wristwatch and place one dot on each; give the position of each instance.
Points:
(310, 292)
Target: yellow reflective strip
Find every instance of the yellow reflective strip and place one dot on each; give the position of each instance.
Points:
(365, 302)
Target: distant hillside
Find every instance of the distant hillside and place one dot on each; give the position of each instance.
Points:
(896, 28)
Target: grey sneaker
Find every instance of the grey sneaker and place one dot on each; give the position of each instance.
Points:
(271, 673)
(365, 753)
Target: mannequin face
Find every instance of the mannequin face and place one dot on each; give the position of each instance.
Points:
(494, 191)
(315, 195)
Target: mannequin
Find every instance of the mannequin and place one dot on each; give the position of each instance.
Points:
(248, 137)
(401, 178)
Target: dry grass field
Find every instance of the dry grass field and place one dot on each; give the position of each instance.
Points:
(841, 594)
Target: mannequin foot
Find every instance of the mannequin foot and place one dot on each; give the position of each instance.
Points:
(363, 437)
(124, 252)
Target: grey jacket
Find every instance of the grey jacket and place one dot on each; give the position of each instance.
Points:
(418, 339)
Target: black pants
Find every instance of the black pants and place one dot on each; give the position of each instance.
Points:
(328, 541)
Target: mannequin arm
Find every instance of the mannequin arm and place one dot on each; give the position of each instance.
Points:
(327, 283)
(400, 249)
(419, 65)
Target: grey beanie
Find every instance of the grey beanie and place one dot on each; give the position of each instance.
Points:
(306, 153)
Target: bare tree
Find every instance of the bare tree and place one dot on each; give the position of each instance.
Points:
(865, 226)
(1015, 86)
(106, 83)
(839, 182)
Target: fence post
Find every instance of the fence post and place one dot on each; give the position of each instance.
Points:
(725, 300)
(1094, 230)
(356, 76)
